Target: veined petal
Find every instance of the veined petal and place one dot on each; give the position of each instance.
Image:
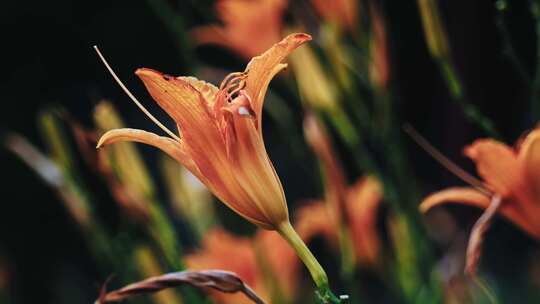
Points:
(201, 135)
(472, 197)
(173, 148)
(252, 167)
(261, 69)
(207, 90)
(185, 104)
(214, 178)
(497, 164)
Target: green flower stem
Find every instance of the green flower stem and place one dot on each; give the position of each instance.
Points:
(315, 269)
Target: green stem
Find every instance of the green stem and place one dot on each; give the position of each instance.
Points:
(315, 269)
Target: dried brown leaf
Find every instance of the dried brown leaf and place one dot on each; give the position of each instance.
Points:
(223, 281)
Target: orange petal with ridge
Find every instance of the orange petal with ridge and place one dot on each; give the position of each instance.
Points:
(174, 149)
(253, 169)
(261, 69)
(181, 99)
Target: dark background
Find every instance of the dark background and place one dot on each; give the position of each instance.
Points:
(48, 59)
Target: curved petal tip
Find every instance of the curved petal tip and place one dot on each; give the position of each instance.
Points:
(300, 36)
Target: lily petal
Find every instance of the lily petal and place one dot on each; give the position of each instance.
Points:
(334, 178)
(497, 164)
(207, 90)
(179, 98)
(529, 154)
(187, 106)
(210, 34)
(253, 169)
(248, 26)
(314, 219)
(173, 148)
(339, 12)
(472, 197)
(261, 69)
(364, 199)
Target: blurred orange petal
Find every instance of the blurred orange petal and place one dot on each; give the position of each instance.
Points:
(472, 197)
(334, 179)
(221, 250)
(314, 220)
(249, 26)
(340, 12)
(529, 154)
(460, 195)
(497, 164)
(364, 199)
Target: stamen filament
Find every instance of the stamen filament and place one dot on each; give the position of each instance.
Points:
(230, 78)
(132, 97)
(444, 161)
(236, 90)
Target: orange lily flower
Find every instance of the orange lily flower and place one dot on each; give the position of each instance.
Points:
(342, 13)
(512, 174)
(354, 207)
(249, 26)
(222, 141)
(248, 258)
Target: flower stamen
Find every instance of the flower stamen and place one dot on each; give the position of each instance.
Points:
(232, 84)
(132, 97)
(229, 78)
